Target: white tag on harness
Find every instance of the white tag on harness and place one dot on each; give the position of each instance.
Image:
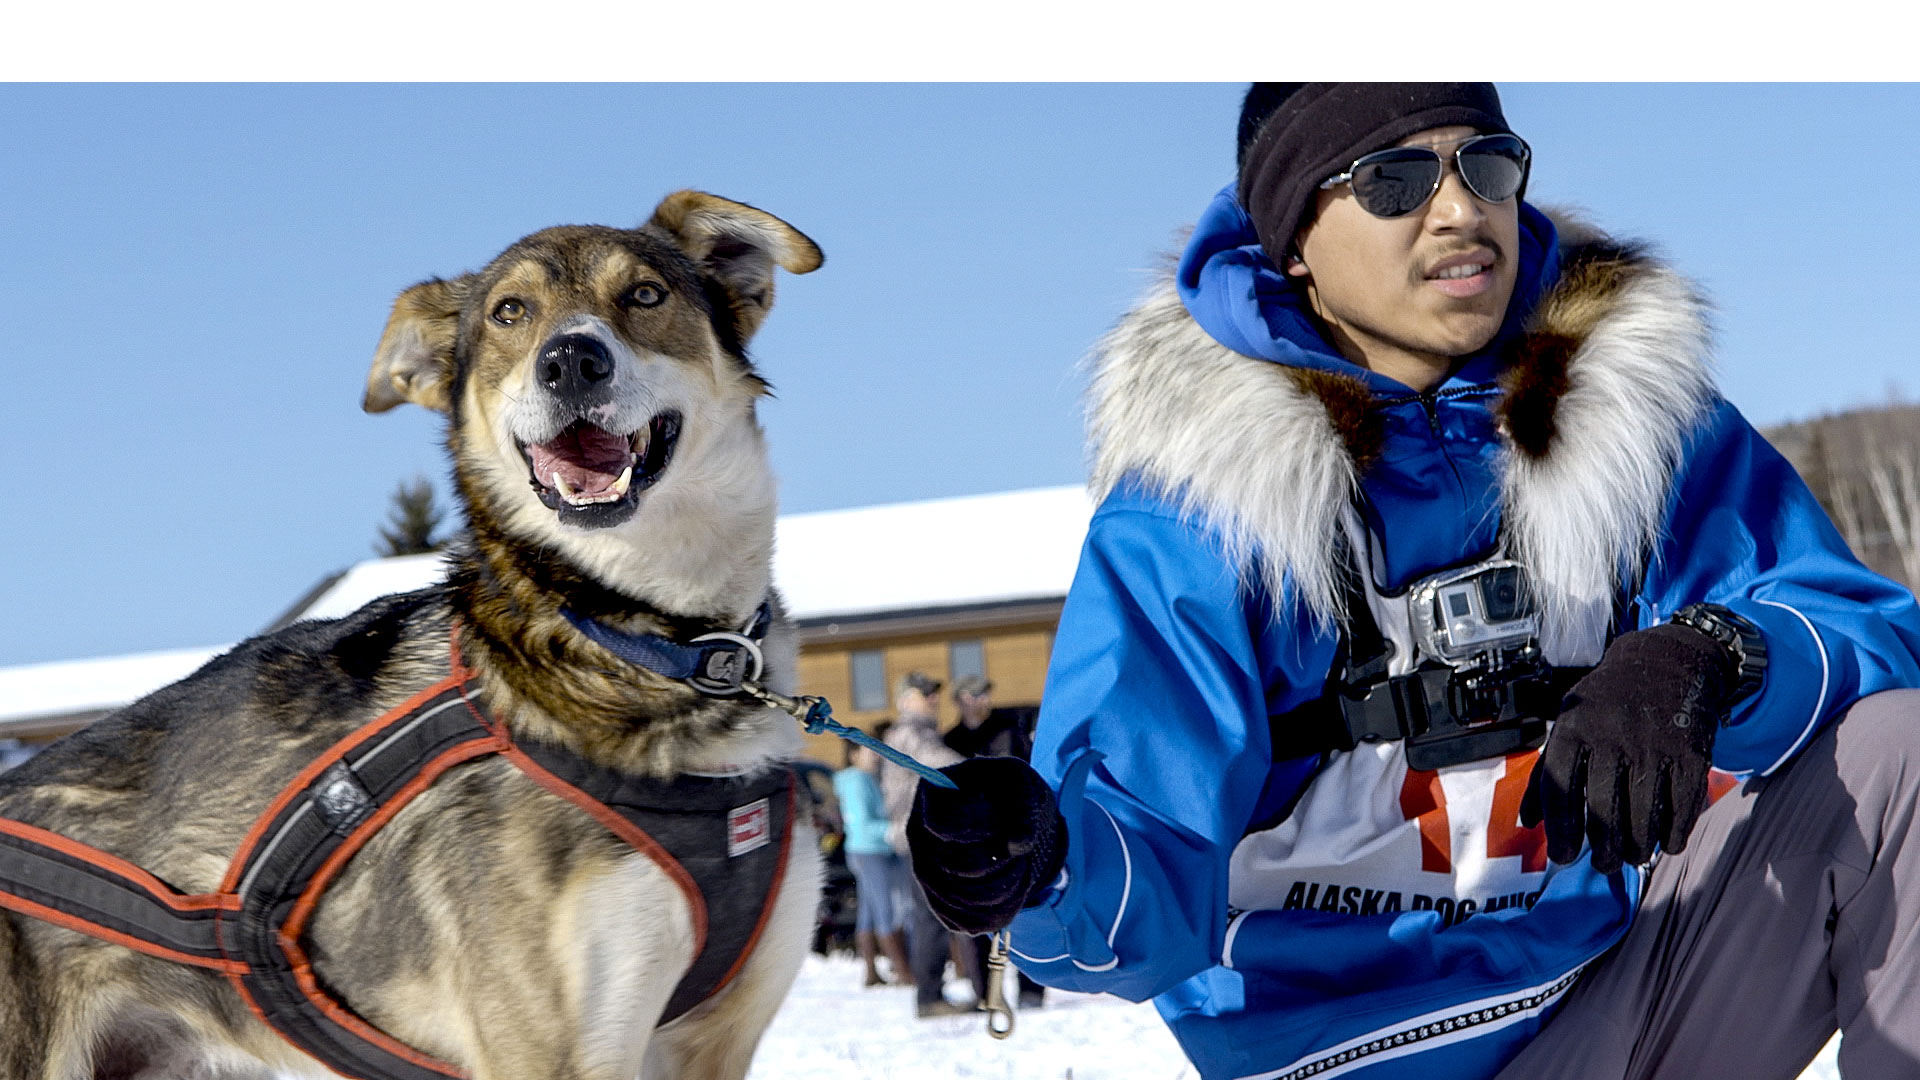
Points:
(749, 827)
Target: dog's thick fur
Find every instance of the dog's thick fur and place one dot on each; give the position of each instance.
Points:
(491, 924)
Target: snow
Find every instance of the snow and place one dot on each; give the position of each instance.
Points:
(373, 579)
(75, 686)
(1827, 1065)
(1014, 545)
(972, 549)
(831, 1029)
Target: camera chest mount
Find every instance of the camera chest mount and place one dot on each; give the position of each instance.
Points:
(1479, 688)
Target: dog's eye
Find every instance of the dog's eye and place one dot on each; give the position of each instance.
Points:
(645, 294)
(508, 312)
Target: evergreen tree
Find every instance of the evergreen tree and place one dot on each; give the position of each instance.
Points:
(411, 521)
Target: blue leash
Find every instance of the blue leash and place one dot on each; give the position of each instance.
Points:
(727, 664)
(818, 720)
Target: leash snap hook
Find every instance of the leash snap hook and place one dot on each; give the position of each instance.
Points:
(999, 1016)
(727, 662)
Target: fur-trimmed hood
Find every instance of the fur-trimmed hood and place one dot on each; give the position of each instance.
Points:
(1601, 390)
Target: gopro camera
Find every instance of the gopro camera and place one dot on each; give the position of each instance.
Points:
(1479, 688)
(1482, 616)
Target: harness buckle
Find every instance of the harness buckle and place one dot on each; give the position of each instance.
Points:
(727, 661)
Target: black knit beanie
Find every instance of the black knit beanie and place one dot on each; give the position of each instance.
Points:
(1293, 136)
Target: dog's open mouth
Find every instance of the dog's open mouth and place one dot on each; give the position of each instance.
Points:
(594, 477)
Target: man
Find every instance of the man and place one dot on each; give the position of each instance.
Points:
(1394, 472)
(982, 732)
(915, 731)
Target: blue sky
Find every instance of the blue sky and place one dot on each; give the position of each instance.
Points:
(196, 275)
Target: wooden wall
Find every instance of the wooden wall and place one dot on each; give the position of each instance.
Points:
(1015, 656)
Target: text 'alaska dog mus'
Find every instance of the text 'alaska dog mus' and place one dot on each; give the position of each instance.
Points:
(449, 835)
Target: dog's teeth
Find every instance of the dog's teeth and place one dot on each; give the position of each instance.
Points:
(634, 460)
(626, 478)
(560, 485)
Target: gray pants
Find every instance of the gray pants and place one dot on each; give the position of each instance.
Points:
(1794, 910)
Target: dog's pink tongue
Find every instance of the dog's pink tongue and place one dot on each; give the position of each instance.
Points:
(589, 459)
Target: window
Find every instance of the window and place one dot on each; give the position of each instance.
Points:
(966, 658)
(869, 679)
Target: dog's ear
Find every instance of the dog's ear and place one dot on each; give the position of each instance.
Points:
(415, 359)
(738, 246)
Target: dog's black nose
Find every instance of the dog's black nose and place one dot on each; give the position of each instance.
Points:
(572, 363)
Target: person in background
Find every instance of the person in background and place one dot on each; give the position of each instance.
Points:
(879, 873)
(916, 732)
(983, 732)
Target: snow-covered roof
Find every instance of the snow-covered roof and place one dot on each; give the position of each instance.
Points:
(974, 549)
(374, 578)
(66, 687)
(934, 553)
(971, 549)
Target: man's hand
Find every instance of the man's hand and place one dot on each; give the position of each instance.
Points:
(989, 848)
(1626, 765)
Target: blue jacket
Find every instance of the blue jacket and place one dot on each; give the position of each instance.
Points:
(1197, 613)
(861, 812)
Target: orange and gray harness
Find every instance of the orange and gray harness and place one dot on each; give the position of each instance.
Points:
(722, 840)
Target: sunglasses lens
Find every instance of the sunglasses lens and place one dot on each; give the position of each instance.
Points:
(1494, 167)
(1395, 183)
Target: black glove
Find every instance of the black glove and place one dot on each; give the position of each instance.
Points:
(1626, 765)
(991, 847)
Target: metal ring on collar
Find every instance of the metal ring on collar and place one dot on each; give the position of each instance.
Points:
(720, 672)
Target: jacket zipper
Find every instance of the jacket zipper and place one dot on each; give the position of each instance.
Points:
(1519, 1008)
(1430, 403)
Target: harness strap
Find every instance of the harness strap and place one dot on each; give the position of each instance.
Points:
(299, 846)
(729, 838)
(1360, 661)
(250, 930)
(67, 883)
(1341, 720)
(1362, 703)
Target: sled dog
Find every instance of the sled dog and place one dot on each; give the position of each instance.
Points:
(482, 919)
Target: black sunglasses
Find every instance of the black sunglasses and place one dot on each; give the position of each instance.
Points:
(1397, 181)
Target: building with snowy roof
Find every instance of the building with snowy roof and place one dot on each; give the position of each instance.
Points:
(951, 587)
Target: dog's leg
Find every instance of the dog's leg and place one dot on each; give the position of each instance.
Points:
(54, 1007)
(125, 1018)
(717, 1040)
(624, 933)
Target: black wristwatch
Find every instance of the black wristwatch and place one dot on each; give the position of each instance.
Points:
(1739, 637)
